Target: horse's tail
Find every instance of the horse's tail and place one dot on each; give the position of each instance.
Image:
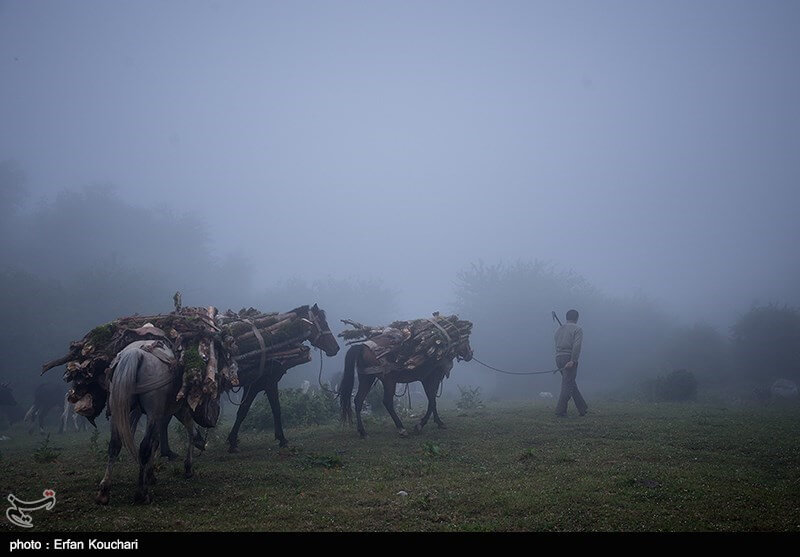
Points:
(123, 387)
(348, 380)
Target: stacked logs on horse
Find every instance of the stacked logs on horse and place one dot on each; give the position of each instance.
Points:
(210, 349)
(409, 344)
(203, 355)
(259, 338)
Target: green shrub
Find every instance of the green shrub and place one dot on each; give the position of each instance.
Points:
(46, 452)
(470, 398)
(297, 408)
(375, 399)
(678, 385)
(322, 461)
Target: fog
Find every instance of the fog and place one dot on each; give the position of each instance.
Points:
(635, 160)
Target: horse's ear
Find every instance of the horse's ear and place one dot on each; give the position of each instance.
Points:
(315, 307)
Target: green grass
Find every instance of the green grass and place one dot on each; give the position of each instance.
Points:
(624, 467)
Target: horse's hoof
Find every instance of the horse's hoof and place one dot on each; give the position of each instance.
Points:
(102, 498)
(362, 434)
(402, 433)
(441, 425)
(170, 455)
(283, 443)
(417, 428)
(188, 473)
(142, 498)
(233, 449)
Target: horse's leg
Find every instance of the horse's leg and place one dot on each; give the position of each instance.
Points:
(275, 404)
(365, 383)
(186, 419)
(147, 450)
(114, 447)
(64, 419)
(431, 388)
(388, 401)
(41, 420)
(164, 435)
(250, 392)
(431, 406)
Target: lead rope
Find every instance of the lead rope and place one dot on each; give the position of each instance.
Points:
(319, 378)
(516, 372)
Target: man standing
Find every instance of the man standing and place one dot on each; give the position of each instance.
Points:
(568, 349)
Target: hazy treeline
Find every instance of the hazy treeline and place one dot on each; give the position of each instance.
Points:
(627, 341)
(86, 257)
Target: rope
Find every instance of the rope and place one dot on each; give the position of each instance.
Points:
(234, 392)
(516, 372)
(319, 379)
(260, 340)
(444, 332)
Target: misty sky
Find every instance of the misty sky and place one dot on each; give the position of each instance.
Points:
(653, 147)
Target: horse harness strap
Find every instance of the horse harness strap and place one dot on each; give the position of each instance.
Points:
(263, 346)
(444, 332)
(319, 331)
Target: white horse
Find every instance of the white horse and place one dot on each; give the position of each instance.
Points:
(143, 383)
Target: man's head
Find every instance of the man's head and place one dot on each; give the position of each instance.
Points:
(572, 316)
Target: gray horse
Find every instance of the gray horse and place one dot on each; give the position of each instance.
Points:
(142, 383)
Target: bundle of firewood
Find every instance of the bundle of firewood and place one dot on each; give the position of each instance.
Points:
(259, 338)
(202, 355)
(408, 344)
(210, 351)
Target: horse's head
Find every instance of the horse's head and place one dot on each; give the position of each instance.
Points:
(464, 351)
(6, 395)
(321, 335)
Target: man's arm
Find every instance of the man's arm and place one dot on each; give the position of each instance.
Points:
(576, 345)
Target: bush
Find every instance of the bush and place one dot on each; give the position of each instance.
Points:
(375, 399)
(678, 385)
(297, 408)
(470, 398)
(46, 452)
(765, 341)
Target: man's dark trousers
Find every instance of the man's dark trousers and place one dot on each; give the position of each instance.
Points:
(569, 389)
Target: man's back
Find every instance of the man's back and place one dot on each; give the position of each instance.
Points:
(569, 337)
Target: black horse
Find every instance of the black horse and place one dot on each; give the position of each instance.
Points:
(8, 404)
(46, 397)
(430, 373)
(254, 380)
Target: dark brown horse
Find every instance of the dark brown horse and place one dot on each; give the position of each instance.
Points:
(254, 381)
(8, 404)
(430, 373)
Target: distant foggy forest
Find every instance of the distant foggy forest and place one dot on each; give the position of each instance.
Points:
(84, 257)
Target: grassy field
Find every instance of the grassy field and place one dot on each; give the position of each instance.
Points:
(624, 467)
